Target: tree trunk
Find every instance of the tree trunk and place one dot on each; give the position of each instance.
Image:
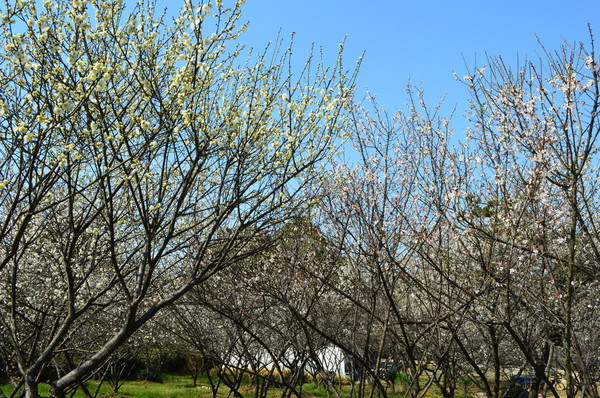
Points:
(31, 386)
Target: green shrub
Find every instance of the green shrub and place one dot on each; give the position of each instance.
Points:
(465, 382)
(513, 392)
(402, 378)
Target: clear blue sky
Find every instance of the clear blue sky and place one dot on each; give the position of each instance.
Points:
(424, 40)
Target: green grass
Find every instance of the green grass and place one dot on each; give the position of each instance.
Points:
(172, 387)
(162, 390)
(313, 390)
(181, 387)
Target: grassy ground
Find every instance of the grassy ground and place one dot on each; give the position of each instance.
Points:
(173, 386)
(181, 387)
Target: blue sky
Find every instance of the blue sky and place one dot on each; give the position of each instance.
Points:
(424, 40)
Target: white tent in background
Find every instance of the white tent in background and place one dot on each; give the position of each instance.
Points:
(331, 359)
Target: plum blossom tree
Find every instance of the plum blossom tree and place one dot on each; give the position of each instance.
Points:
(388, 213)
(139, 158)
(495, 238)
(536, 129)
(273, 313)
